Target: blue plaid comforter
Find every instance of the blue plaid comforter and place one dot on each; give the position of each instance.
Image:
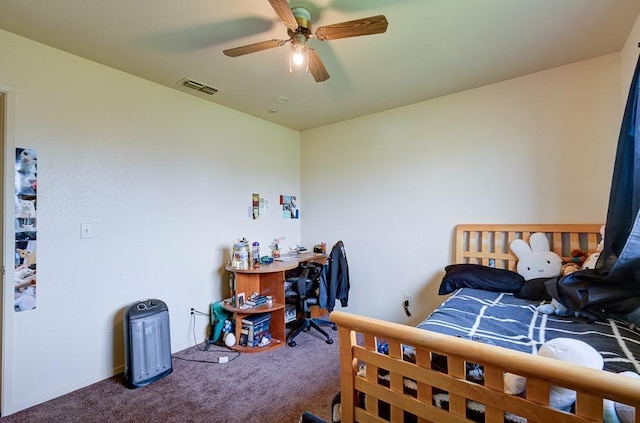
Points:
(501, 319)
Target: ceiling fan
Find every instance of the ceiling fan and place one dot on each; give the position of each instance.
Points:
(298, 23)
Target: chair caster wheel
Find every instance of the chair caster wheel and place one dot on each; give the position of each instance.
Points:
(292, 343)
(329, 341)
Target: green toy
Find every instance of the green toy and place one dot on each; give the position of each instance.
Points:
(218, 316)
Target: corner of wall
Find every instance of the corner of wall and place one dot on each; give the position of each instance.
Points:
(628, 59)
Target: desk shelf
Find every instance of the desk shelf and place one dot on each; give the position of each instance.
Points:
(253, 310)
(277, 333)
(268, 279)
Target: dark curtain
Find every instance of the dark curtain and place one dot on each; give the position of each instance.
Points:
(613, 287)
(620, 257)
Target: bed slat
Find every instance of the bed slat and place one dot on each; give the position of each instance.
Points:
(591, 385)
(489, 244)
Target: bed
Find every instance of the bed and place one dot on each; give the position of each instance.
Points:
(398, 373)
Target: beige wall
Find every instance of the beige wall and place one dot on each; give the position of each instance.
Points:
(166, 180)
(392, 186)
(629, 59)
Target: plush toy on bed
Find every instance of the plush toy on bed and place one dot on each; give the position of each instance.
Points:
(592, 259)
(563, 349)
(579, 260)
(575, 262)
(536, 260)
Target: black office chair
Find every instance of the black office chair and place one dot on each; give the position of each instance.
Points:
(303, 290)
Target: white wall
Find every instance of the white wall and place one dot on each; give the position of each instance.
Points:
(166, 180)
(164, 177)
(629, 59)
(392, 186)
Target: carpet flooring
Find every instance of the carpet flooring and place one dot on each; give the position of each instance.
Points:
(274, 386)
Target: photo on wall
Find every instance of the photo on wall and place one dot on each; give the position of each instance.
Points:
(255, 206)
(26, 187)
(259, 206)
(289, 206)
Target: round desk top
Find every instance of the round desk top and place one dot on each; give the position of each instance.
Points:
(276, 266)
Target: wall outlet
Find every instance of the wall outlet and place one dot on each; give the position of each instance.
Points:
(86, 230)
(405, 305)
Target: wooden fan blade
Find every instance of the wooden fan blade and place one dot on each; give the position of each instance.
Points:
(316, 67)
(365, 26)
(253, 48)
(285, 14)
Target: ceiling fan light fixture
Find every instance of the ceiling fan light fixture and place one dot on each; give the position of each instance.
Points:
(297, 55)
(298, 23)
(299, 52)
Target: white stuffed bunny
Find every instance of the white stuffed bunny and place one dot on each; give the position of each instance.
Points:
(563, 349)
(537, 260)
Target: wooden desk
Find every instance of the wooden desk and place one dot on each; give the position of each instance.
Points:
(268, 279)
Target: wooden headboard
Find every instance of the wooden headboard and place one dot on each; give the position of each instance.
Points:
(489, 244)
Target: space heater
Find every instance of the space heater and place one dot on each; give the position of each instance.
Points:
(147, 346)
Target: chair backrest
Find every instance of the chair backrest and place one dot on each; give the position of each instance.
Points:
(314, 270)
(311, 275)
(305, 279)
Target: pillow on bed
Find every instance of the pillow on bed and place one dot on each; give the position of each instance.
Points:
(478, 276)
(534, 289)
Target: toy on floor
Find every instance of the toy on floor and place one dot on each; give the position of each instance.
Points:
(218, 318)
(228, 337)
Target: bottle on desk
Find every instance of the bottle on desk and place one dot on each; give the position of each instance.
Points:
(255, 254)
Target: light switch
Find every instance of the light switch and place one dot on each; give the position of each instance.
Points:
(86, 230)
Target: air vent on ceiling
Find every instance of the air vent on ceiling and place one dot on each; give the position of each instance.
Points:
(198, 86)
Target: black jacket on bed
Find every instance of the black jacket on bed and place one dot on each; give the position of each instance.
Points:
(334, 279)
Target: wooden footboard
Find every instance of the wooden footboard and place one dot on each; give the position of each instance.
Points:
(592, 386)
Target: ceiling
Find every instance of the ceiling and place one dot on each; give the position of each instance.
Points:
(431, 48)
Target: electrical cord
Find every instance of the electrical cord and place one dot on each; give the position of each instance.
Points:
(197, 346)
(204, 361)
(194, 311)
